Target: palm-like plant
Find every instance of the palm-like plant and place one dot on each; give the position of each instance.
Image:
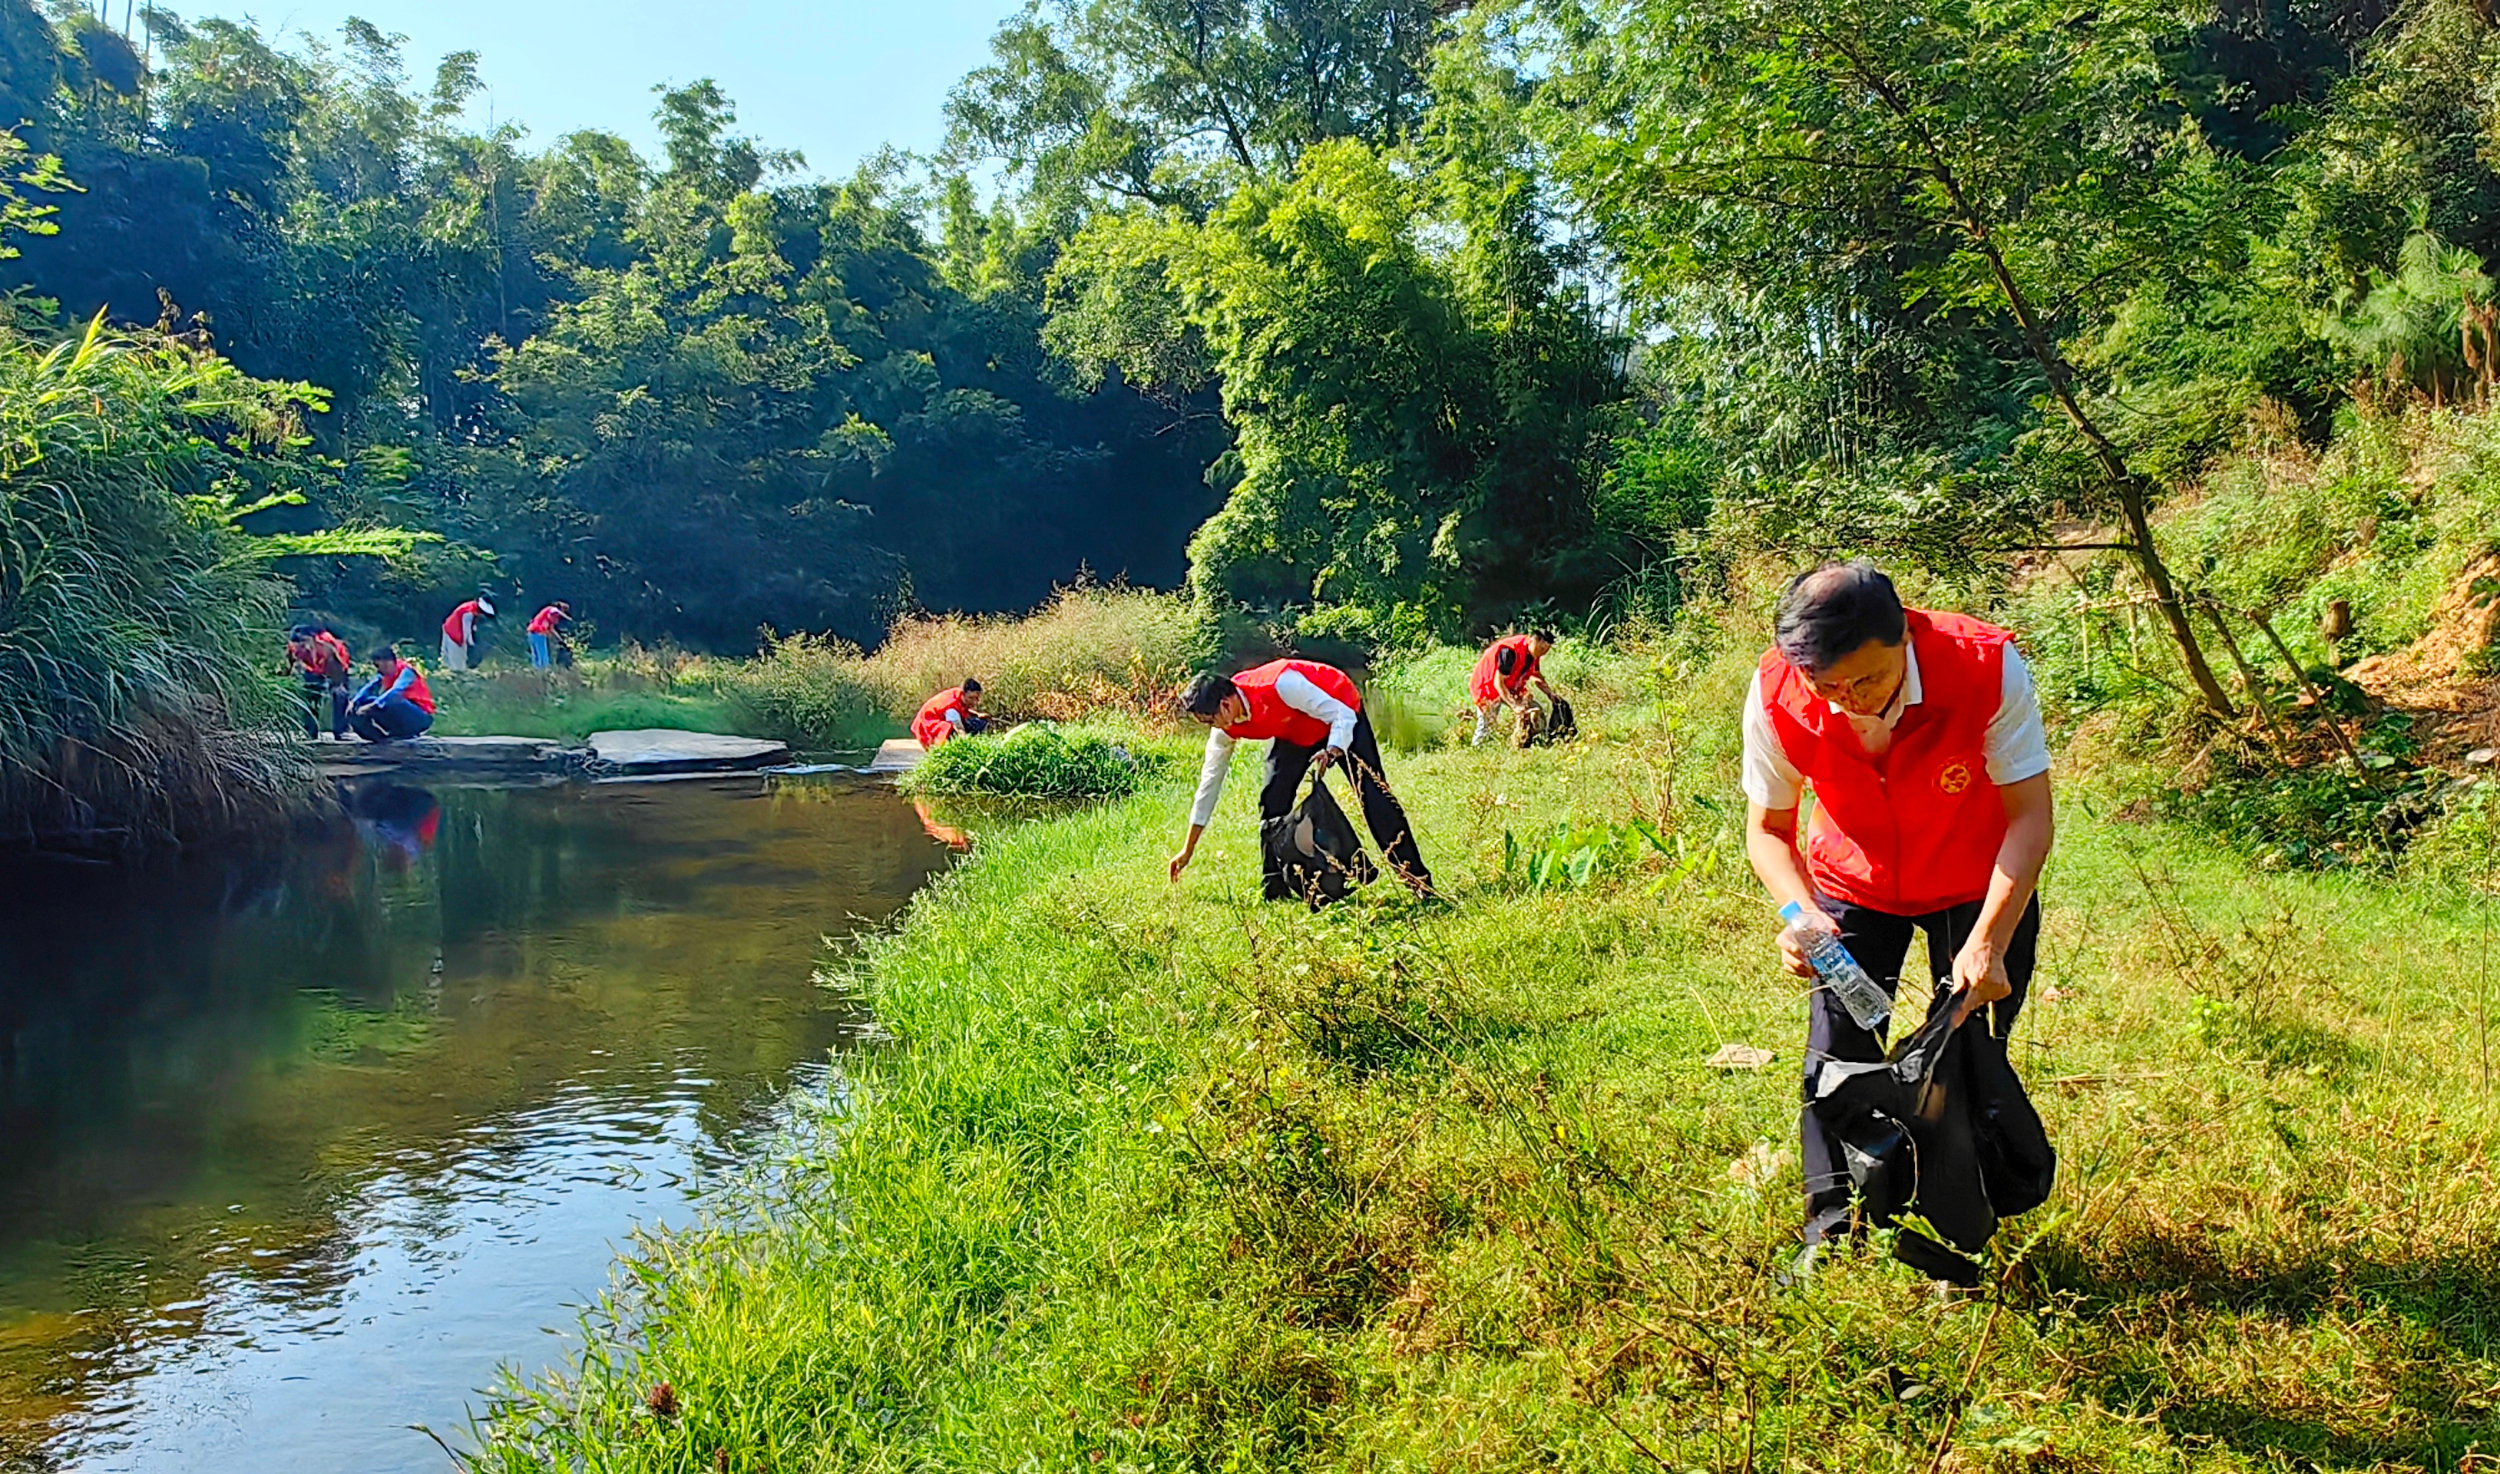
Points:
(2428, 328)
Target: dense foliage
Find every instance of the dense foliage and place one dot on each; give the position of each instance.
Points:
(136, 614)
(696, 395)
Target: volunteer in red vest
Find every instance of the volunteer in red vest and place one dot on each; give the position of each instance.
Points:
(1311, 714)
(460, 632)
(322, 663)
(1502, 676)
(954, 712)
(544, 626)
(1920, 735)
(395, 704)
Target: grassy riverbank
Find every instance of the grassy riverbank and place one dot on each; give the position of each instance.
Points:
(1090, 649)
(1157, 1177)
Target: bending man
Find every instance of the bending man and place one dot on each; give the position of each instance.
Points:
(1920, 735)
(546, 627)
(460, 632)
(1502, 676)
(953, 712)
(1311, 714)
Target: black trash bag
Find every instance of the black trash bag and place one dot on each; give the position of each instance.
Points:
(1942, 1128)
(1313, 852)
(1540, 728)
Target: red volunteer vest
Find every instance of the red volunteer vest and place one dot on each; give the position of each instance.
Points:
(1916, 830)
(416, 690)
(546, 620)
(455, 624)
(931, 727)
(1271, 717)
(1488, 683)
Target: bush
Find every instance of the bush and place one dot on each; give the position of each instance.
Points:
(1036, 760)
(812, 691)
(140, 678)
(1089, 649)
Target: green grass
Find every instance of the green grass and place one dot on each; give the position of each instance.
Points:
(1158, 1177)
(1039, 760)
(526, 703)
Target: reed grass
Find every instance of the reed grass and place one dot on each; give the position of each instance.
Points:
(140, 684)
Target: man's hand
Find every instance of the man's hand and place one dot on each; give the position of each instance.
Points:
(1328, 757)
(1978, 976)
(1795, 956)
(1180, 862)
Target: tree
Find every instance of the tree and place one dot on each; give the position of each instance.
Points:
(1409, 419)
(1173, 102)
(2029, 147)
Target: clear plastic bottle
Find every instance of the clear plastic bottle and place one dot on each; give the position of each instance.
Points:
(1865, 999)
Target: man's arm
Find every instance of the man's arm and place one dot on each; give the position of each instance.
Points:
(1771, 844)
(2030, 831)
(1219, 761)
(1297, 691)
(1774, 787)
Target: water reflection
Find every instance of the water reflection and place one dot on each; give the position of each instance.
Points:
(294, 1152)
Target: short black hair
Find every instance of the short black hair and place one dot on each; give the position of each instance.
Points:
(382, 653)
(1543, 632)
(1206, 694)
(1831, 612)
(971, 686)
(300, 632)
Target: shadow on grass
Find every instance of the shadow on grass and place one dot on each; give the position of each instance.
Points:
(2187, 1333)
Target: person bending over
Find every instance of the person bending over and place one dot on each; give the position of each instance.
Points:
(1920, 735)
(1311, 714)
(395, 704)
(460, 632)
(322, 664)
(953, 712)
(545, 629)
(1502, 676)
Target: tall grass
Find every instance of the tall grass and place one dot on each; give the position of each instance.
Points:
(139, 626)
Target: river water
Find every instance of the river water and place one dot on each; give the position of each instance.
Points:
(297, 1152)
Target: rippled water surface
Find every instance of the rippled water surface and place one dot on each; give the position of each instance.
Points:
(297, 1152)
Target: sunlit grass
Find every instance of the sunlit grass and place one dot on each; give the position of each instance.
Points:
(1156, 1176)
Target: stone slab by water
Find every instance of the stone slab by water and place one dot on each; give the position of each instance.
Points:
(644, 752)
(647, 750)
(895, 755)
(467, 756)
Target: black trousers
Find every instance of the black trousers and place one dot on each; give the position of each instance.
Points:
(1880, 941)
(1382, 813)
(320, 689)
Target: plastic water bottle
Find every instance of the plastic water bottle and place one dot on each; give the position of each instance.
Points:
(1867, 1002)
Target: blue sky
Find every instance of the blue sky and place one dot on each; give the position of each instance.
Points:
(834, 79)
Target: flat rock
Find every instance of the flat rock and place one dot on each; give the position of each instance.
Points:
(896, 755)
(443, 754)
(648, 750)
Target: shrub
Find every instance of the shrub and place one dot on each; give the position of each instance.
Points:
(139, 624)
(810, 690)
(1089, 649)
(1036, 760)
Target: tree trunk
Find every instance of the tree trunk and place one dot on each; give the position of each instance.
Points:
(2122, 478)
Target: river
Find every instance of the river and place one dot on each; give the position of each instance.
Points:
(298, 1151)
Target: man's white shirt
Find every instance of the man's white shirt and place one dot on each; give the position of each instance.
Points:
(2016, 746)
